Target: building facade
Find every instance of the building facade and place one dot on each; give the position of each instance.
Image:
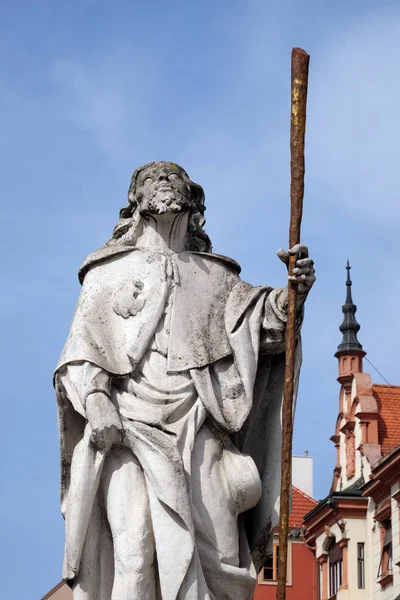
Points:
(302, 583)
(355, 531)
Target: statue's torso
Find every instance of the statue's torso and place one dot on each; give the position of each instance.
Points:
(124, 300)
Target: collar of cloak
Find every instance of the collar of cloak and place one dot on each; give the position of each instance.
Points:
(108, 251)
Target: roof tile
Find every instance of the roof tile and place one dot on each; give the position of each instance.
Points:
(301, 505)
(388, 399)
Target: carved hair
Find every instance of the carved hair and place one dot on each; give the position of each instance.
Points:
(129, 226)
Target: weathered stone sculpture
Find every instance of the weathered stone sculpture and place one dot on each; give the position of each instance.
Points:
(169, 390)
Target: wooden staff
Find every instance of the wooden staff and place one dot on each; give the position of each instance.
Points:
(300, 61)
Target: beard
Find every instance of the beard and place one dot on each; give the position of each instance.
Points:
(162, 202)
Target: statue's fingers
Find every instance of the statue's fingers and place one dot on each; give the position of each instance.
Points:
(97, 439)
(311, 280)
(308, 282)
(283, 255)
(115, 435)
(297, 279)
(107, 440)
(299, 249)
(305, 262)
(309, 271)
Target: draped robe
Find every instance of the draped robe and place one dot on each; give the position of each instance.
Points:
(225, 338)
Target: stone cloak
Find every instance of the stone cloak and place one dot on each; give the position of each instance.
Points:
(232, 312)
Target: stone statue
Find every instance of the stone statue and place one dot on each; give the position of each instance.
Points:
(169, 391)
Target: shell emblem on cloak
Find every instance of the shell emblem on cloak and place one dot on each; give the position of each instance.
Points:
(128, 299)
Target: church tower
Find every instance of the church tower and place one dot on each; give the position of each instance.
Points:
(348, 437)
(350, 352)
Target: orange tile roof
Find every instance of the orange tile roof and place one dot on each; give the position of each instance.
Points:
(388, 399)
(301, 505)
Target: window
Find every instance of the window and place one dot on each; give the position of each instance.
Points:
(270, 570)
(385, 566)
(335, 569)
(360, 566)
(319, 582)
(269, 573)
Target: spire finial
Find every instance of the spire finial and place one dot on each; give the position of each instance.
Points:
(349, 299)
(349, 327)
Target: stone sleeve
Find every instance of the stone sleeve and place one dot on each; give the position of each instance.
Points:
(82, 379)
(274, 322)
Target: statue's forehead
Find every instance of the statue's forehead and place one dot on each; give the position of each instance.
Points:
(161, 167)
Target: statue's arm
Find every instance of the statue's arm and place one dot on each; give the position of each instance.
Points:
(274, 321)
(89, 390)
(80, 380)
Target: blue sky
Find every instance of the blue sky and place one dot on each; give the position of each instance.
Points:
(90, 90)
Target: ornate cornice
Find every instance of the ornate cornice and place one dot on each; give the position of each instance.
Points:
(396, 496)
(384, 511)
(383, 476)
(331, 510)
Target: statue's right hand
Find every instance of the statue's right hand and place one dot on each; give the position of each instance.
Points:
(104, 421)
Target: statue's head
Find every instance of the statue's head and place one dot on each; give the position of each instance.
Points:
(161, 187)
(158, 188)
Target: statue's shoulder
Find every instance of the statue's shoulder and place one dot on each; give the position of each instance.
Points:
(101, 256)
(222, 260)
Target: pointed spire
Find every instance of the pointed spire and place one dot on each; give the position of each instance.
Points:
(349, 327)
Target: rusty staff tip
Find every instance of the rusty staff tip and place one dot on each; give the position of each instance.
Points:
(299, 51)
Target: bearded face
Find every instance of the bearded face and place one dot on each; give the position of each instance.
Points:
(162, 189)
